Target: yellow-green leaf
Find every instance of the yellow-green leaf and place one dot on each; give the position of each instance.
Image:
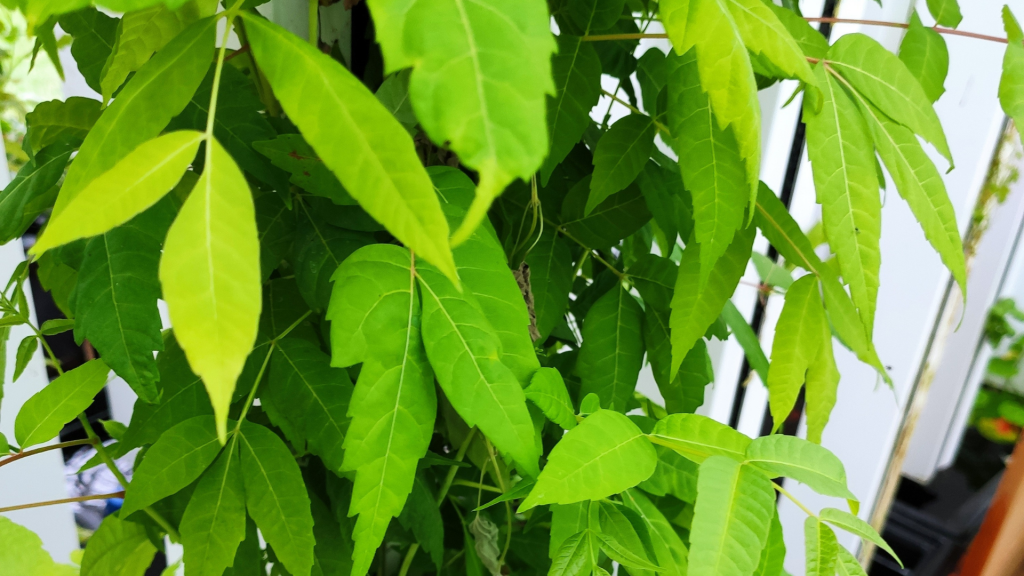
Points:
(481, 73)
(159, 90)
(842, 160)
(131, 186)
(797, 342)
(210, 273)
(698, 437)
(821, 548)
(731, 519)
(924, 52)
(388, 180)
(47, 411)
(1011, 83)
(604, 455)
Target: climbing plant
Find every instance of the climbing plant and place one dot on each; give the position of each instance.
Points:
(411, 294)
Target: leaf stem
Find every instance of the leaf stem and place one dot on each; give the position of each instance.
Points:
(636, 110)
(255, 385)
(63, 501)
(27, 453)
(793, 499)
(477, 485)
(215, 89)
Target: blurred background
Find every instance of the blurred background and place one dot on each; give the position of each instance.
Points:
(931, 460)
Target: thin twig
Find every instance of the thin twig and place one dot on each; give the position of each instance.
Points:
(63, 501)
(27, 453)
(939, 29)
(243, 50)
(636, 110)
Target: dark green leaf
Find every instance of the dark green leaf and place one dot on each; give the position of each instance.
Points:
(551, 278)
(213, 525)
(577, 73)
(311, 396)
(175, 460)
(56, 120)
(619, 216)
(32, 190)
(422, 517)
(47, 411)
(613, 351)
(275, 497)
(94, 36)
(620, 156)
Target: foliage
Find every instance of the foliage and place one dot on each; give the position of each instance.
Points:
(442, 287)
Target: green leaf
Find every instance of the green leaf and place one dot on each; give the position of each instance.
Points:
(604, 455)
(333, 551)
(394, 95)
(709, 161)
(884, 80)
(311, 396)
(945, 12)
(389, 18)
(47, 411)
(118, 547)
(616, 218)
(696, 305)
(214, 308)
(857, 527)
(422, 517)
(116, 297)
(32, 190)
(655, 278)
(803, 461)
(674, 475)
(731, 519)
(747, 340)
(1011, 83)
(577, 74)
(276, 226)
(23, 553)
(847, 564)
(796, 345)
(774, 552)
(175, 460)
(517, 492)
(249, 556)
(822, 384)
(921, 185)
(924, 52)
(613, 351)
(238, 124)
(699, 437)
(652, 75)
(842, 160)
(141, 34)
(810, 41)
(566, 521)
(275, 497)
(94, 36)
(714, 27)
(26, 349)
(56, 326)
(157, 92)
(182, 396)
(551, 277)
(620, 156)
(668, 201)
(134, 184)
(821, 548)
(317, 251)
(213, 525)
(594, 15)
(669, 550)
(547, 390)
(464, 352)
(620, 538)
(293, 154)
(775, 222)
(394, 405)
(481, 73)
(56, 120)
(577, 556)
(483, 268)
(391, 184)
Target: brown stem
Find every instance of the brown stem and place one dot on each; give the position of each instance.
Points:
(27, 453)
(243, 50)
(939, 29)
(63, 501)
